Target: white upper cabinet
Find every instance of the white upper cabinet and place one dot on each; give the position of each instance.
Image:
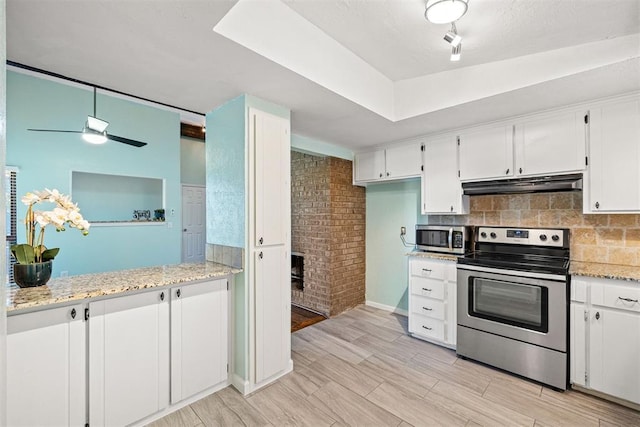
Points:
(441, 188)
(395, 162)
(551, 144)
(614, 158)
(270, 136)
(486, 153)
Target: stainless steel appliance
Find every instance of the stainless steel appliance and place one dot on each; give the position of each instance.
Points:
(513, 302)
(453, 239)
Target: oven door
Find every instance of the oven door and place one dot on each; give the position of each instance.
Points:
(506, 303)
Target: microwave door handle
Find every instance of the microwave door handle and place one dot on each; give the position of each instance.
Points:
(451, 239)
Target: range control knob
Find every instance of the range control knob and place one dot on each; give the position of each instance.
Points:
(483, 235)
(543, 237)
(493, 235)
(555, 237)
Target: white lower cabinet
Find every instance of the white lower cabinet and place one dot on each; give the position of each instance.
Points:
(46, 368)
(609, 327)
(128, 358)
(432, 300)
(199, 327)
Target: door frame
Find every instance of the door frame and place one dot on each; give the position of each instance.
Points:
(182, 187)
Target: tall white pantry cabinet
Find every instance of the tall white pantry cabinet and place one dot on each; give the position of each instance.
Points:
(269, 247)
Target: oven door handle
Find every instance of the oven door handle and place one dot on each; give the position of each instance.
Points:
(450, 240)
(516, 273)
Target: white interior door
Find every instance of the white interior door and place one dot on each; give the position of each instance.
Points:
(193, 223)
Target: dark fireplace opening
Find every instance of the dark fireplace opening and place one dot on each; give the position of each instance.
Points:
(297, 270)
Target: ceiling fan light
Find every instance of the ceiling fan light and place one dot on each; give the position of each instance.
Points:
(94, 137)
(445, 11)
(96, 124)
(456, 52)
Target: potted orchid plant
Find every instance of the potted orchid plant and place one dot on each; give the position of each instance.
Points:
(34, 259)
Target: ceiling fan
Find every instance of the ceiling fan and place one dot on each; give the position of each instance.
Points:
(95, 130)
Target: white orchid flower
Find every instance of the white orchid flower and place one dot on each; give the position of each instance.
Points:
(30, 198)
(42, 219)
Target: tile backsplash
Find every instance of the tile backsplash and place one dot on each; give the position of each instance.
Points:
(606, 238)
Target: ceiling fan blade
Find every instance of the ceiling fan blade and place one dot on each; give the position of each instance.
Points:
(55, 130)
(126, 140)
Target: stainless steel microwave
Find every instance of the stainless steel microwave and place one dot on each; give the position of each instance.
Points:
(453, 239)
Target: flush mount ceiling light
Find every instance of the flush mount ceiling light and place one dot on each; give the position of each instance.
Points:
(452, 36)
(445, 11)
(455, 53)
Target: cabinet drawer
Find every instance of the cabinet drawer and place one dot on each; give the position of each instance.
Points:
(427, 327)
(427, 307)
(430, 269)
(620, 297)
(427, 288)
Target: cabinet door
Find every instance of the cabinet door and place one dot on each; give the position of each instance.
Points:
(614, 353)
(614, 184)
(403, 161)
(128, 358)
(46, 368)
(272, 312)
(270, 136)
(198, 337)
(441, 188)
(551, 145)
(578, 344)
(486, 154)
(369, 166)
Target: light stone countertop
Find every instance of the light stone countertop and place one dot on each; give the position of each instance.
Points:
(434, 255)
(605, 271)
(86, 286)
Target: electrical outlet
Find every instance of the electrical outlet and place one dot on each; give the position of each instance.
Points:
(403, 231)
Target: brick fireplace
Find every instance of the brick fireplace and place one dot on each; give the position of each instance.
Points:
(328, 228)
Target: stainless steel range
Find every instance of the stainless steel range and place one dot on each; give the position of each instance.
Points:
(513, 302)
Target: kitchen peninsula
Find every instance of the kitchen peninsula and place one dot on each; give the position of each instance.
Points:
(117, 348)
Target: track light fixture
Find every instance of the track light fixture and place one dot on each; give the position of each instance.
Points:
(455, 52)
(452, 36)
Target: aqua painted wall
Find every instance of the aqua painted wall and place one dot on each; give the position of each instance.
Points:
(192, 162)
(313, 146)
(47, 160)
(389, 207)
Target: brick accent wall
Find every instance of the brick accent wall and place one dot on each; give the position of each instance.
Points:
(609, 239)
(328, 227)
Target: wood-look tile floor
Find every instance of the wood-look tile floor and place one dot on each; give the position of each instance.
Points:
(361, 368)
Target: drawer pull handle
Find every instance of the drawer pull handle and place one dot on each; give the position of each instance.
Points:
(427, 328)
(427, 308)
(628, 299)
(427, 290)
(427, 270)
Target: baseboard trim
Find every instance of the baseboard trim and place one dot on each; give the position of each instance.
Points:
(389, 308)
(240, 384)
(246, 388)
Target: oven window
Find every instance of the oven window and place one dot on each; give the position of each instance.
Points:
(514, 304)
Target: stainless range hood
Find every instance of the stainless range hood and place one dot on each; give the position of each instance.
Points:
(538, 184)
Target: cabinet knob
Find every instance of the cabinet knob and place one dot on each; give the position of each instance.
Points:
(520, 170)
(73, 313)
(161, 296)
(261, 240)
(260, 255)
(597, 315)
(184, 230)
(387, 173)
(507, 172)
(597, 205)
(178, 293)
(451, 208)
(380, 175)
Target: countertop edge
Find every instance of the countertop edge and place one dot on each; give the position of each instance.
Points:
(61, 291)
